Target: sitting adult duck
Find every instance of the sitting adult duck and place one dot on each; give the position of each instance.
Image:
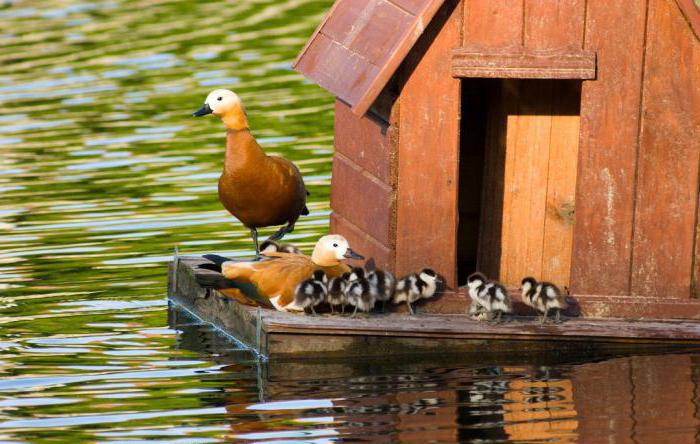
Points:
(257, 189)
(278, 278)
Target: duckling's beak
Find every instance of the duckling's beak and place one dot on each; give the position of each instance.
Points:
(203, 111)
(352, 255)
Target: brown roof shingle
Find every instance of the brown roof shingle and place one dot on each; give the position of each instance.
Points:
(360, 44)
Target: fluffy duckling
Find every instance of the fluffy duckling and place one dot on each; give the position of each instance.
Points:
(270, 246)
(336, 292)
(257, 189)
(474, 281)
(543, 297)
(312, 292)
(423, 285)
(489, 298)
(382, 284)
(277, 279)
(359, 291)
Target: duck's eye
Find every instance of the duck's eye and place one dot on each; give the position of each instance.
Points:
(335, 245)
(220, 99)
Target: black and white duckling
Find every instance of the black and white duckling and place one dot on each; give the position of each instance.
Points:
(270, 246)
(311, 292)
(474, 281)
(543, 297)
(416, 286)
(336, 292)
(359, 292)
(382, 284)
(489, 298)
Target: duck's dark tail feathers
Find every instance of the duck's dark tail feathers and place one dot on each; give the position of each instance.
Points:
(209, 275)
(215, 260)
(305, 211)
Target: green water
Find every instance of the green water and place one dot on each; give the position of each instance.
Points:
(103, 171)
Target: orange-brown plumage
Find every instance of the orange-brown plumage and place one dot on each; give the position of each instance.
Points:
(257, 189)
(276, 279)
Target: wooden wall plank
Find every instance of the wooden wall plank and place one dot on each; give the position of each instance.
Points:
(426, 224)
(365, 140)
(363, 200)
(607, 152)
(529, 127)
(523, 64)
(493, 24)
(554, 24)
(374, 252)
(669, 156)
(561, 183)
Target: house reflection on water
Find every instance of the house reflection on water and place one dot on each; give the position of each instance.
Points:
(613, 399)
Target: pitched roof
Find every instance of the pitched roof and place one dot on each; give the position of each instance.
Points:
(360, 44)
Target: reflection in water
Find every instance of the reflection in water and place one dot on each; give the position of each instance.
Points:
(103, 171)
(449, 400)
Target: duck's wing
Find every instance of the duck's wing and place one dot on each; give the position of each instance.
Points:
(275, 279)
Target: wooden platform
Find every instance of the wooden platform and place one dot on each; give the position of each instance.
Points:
(279, 334)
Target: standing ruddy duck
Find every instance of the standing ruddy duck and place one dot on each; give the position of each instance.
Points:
(277, 279)
(543, 297)
(257, 189)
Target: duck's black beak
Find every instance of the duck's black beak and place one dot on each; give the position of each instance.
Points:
(352, 255)
(203, 111)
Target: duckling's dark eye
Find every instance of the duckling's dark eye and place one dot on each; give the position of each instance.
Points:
(335, 245)
(220, 99)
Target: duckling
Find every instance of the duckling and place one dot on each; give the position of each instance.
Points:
(416, 286)
(543, 297)
(359, 292)
(474, 281)
(336, 292)
(312, 292)
(270, 246)
(257, 189)
(275, 280)
(491, 298)
(382, 284)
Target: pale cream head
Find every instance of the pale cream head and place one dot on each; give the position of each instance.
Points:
(330, 250)
(227, 105)
(222, 101)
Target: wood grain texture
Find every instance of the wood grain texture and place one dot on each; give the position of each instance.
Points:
(362, 199)
(561, 183)
(523, 64)
(217, 308)
(375, 252)
(426, 221)
(607, 153)
(554, 24)
(669, 157)
(691, 12)
(360, 45)
(493, 24)
(366, 140)
(529, 126)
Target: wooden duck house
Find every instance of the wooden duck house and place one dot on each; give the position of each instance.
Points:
(552, 138)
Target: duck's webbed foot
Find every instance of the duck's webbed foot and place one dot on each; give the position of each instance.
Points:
(281, 232)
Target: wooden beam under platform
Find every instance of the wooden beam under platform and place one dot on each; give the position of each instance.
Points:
(279, 334)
